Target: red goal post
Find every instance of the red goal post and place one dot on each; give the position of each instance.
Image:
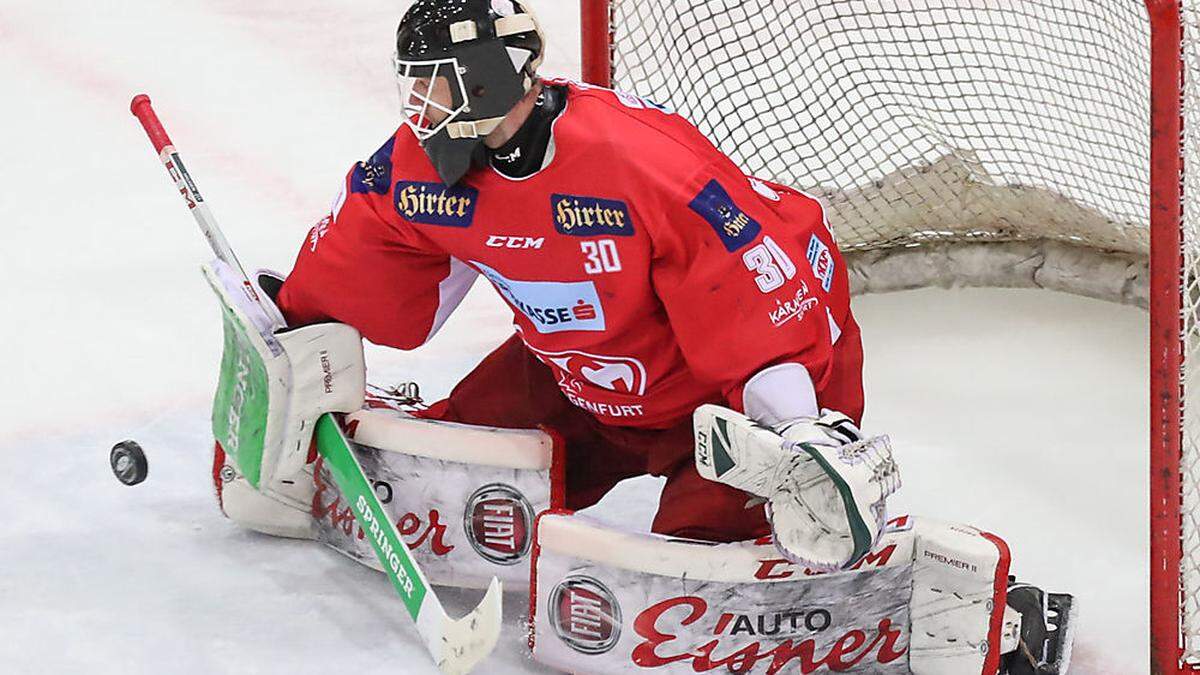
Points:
(963, 140)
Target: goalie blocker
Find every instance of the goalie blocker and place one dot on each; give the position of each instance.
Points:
(462, 498)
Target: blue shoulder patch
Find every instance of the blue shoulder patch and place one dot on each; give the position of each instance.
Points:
(735, 228)
(436, 204)
(375, 174)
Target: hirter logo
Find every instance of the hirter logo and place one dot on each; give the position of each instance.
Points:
(591, 216)
(436, 204)
(498, 523)
(734, 226)
(585, 615)
(375, 174)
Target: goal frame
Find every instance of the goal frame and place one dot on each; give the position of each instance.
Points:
(1168, 284)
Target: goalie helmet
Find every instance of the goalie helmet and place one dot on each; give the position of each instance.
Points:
(462, 66)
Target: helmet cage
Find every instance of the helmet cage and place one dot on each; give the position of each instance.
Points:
(487, 51)
(417, 105)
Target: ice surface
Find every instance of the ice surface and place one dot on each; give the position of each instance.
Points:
(1020, 412)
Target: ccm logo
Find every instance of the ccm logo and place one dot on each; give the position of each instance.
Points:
(521, 243)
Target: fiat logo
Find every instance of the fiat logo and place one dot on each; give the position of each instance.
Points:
(585, 614)
(499, 524)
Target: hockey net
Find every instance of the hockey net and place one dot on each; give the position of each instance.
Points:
(973, 142)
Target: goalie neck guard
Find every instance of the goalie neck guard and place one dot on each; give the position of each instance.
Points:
(462, 65)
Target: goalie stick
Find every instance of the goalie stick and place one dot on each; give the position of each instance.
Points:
(456, 646)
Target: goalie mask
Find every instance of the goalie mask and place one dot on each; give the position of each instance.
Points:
(462, 66)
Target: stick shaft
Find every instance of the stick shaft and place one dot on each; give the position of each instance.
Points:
(456, 646)
(144, 111)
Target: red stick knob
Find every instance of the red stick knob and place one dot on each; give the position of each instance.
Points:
(144, 111)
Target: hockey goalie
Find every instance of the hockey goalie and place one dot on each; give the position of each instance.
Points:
(673, 317)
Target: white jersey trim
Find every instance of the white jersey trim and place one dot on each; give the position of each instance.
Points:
(451, 292)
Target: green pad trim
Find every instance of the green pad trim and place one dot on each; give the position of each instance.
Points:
(239, 417)
(722, 461)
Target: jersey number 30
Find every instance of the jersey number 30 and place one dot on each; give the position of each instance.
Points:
(601, 255)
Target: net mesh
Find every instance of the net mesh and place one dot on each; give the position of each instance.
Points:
(917, 120)
(944, 123)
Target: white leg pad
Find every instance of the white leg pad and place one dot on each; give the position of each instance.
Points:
(464, 498)
(608, 601)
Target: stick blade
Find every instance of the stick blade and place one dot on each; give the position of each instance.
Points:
(461, 645)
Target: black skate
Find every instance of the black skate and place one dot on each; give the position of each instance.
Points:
(1044, 647)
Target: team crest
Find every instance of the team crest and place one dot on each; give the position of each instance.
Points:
(618, 374)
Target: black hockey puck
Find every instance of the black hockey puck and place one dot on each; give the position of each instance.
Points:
(128, 462)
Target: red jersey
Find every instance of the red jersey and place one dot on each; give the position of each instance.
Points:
(643, 267)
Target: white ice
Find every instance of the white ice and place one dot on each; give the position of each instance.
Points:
(1020, 412)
